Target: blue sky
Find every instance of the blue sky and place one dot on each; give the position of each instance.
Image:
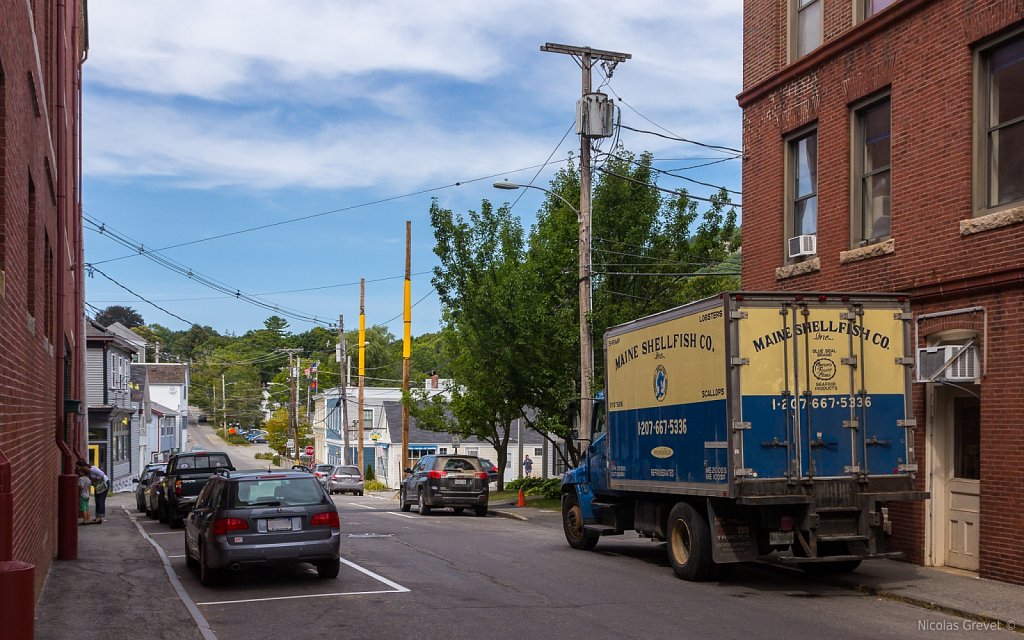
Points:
(205, 118)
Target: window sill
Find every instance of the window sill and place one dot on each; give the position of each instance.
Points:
(1003, 218)
(798, 269)
(883, 248)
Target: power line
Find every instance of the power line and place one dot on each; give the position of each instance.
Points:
(546, 162)
(681, 139)
(670, 173)
(140, 297)
(672, 191)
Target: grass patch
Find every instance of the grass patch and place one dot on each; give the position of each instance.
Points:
(501, 498)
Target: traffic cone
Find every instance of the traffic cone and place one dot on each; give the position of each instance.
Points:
(521, 502)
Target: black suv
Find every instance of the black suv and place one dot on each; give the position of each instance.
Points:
(245, 518)
(446, 481)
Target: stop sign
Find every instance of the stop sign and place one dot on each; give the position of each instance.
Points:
(309, 449)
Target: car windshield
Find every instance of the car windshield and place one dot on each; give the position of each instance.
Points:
(283, 492)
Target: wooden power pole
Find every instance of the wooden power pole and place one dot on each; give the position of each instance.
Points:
(343, 387)
(587, 57)
(406, 343)
(362, 368)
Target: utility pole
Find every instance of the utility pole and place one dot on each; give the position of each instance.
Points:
(224, 406)
(362, 368)
(587, 57)
(293, 416)
(406, 343)
(343, 385)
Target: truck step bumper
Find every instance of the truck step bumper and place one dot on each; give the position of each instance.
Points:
(877, 556)
(602, 529)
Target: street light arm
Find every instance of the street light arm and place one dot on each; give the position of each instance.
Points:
(510, 186)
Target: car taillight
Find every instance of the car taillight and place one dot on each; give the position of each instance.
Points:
(223, 525)
(335, 477)
(177, 487)
(434, 475)
(325, 519)
(482, 475)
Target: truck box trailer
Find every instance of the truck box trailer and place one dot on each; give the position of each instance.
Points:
(752, 425)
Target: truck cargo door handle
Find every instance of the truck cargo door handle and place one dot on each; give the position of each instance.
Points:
(775, 444)
(821, 444)
(873, 441)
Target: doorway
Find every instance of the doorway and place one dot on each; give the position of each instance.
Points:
(956, 475)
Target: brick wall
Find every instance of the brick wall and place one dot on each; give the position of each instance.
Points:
(33, 152)
(922, 53)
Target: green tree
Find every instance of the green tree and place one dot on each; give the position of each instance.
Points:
(116, 313)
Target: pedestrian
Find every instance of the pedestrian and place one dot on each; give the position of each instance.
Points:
(528, 466)
(83, 494)
(100, 487)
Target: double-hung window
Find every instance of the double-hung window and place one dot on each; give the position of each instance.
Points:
(869, 8)
(804, 27)
(802, 187)
(1000, 138)
(872, 172)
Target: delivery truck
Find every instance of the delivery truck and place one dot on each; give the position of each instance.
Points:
(752, 426)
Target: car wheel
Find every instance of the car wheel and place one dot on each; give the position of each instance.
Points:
(139, 506)
(480, 510)
(175, 521)
(328, 569)
(458, 510)
(162, 513)
(207, 576)
(689, 544)
(190, 562)
(424, 508)
(403, 503)
(572, 523)
(360, 493)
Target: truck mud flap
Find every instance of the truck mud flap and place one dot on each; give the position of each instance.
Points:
(732, 535)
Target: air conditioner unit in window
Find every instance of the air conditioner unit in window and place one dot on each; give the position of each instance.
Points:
(803, 246)
(963, 367)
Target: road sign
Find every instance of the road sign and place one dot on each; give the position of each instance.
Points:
(290, 443)
(309, 449)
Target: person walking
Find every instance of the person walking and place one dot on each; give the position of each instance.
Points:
(100, 486)
(528, 466)
(83, 494)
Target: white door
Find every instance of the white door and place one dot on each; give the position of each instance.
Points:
(963, 482)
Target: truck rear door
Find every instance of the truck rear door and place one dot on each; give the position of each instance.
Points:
(823, 388)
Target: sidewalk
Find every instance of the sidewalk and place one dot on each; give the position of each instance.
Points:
(116, 589)
(938, 589)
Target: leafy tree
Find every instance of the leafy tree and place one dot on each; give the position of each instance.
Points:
(116, 313)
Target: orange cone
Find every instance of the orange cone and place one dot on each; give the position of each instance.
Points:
(521, 502)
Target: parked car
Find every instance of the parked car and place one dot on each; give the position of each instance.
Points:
(152, 494)
(143, 482)
(301, 467)
(344, 478)
(253, 518)
(446, 481)
(321, 471)
(490, 468)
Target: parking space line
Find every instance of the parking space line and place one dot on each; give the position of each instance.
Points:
(395, 588)
(365, 506)
(401, 515)
(165, 533)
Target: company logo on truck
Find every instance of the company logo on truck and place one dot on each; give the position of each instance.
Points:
(821, 330)
(660, 383)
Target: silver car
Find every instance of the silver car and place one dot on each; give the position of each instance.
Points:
(345, 478)
(258, 517)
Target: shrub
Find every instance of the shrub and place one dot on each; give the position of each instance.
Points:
(369, 475)
(375, 485)
(548, 488)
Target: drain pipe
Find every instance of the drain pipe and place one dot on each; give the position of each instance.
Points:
(6, 510)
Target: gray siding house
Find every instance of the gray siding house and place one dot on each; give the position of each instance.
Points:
(108, 398)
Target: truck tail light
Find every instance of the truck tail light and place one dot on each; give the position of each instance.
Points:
(326, 519)
(223, 525)
(436, 475)
(177, 487)
(786, 523)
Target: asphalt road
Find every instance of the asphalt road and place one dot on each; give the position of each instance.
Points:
(405, 575)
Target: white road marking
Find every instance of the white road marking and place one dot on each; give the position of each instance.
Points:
(180, 556)
(365, 506)
(165, 533)
(395, 588)
(400, 515)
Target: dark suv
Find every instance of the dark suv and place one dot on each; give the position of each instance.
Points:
(446, 481)
(258, 517)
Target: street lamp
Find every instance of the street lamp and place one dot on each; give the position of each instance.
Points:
(586, 303)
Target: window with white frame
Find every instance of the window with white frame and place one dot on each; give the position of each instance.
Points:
(805, 27)
(872, 171)
(999, 179)
(538, 451)
(802, 185)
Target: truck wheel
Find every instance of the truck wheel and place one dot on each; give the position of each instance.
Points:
(572, 524)
(689, 544)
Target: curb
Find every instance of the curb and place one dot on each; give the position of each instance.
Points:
(509, 515)
(928, 605)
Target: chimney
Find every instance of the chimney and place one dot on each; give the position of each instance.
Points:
(434, 379)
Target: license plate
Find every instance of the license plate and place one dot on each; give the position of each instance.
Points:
(780, 537)
(279, 524)
(461, 481)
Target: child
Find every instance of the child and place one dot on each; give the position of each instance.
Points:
(83, 495)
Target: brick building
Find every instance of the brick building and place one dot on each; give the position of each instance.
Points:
(42, 48)
(884, 145)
